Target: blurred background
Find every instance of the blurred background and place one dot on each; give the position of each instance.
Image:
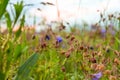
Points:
(72, 11)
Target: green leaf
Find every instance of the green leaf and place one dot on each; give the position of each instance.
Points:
(18, 33)
(18, 10)
(18, 51)
(117, 40)
(3, 5)
(25, 69)
(9, 22)
(2, 76)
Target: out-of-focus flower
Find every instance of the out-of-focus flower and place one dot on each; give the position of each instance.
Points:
(68, 36)
(103, 31)
(43, 45)
(63, 69)
(108, 50)
(72, 38)
(93, 60)
(59, 39)
(117, 53)
(81, 47)
(112, 77)
(100, 67)
(33, 36)
(93, 66)
(99, 53)
(67, 54)
(97, 76)
(91, 47)
(47, 37)
(116, 61)
(111, 29)
(107, 72)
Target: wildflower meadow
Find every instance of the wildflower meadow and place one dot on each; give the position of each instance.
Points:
(78, 52)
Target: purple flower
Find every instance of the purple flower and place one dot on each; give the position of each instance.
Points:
(97, 76)
(113, 33)
(103, 31)
(47, 37)
(59, 39)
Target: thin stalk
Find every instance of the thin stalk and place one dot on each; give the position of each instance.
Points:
(105, 9)
(77, 13)
(58, 11)
(107, 5)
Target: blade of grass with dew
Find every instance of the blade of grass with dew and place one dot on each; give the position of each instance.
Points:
(26, 68)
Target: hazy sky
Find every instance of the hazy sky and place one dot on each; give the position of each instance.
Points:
(69, 9)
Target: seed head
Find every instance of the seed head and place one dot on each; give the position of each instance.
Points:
(63, 69)
(117, 61)
(107, 72)
(112, 77)
(67, 54)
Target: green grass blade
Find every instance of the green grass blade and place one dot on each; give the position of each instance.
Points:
(3, 5)
(26, 68)
(9, 22)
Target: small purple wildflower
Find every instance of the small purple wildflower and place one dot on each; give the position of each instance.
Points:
(97, 76)
(113, 33)
(47, 37)
(103, 31)
(59, 39)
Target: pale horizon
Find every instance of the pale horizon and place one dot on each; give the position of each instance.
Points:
(88, 10)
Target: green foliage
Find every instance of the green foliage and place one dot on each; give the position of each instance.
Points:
(18, 10)
(21, 25)
(25, 69)
(9, 22)
(3, 5)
